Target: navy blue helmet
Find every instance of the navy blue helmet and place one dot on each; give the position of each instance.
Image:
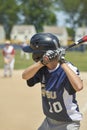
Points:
(40, 43)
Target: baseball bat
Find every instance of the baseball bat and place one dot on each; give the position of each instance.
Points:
(83, 39)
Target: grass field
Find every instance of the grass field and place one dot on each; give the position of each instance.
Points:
(79, 59)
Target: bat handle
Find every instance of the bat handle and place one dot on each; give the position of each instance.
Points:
(70, 46)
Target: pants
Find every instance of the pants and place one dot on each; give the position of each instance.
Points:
(8, 68)
(50, 124)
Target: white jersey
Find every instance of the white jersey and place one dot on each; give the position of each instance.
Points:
(8, 51)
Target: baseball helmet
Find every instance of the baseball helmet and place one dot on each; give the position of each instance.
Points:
(40, 43)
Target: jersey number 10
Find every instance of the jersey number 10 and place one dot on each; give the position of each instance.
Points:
(55, 107)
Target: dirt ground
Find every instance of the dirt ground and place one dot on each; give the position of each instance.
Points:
(21, 108)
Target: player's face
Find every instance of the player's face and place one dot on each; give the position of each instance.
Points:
(52, 64)
(7, 46)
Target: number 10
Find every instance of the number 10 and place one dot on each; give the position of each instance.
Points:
(55, 107)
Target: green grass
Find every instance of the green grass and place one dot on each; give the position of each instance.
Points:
(21, 63)
(79, 59)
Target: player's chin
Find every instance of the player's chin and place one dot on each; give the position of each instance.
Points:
(52, 64)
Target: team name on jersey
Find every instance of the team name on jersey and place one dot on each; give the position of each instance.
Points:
(48, 94)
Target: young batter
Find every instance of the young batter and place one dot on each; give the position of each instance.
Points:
(59, 80)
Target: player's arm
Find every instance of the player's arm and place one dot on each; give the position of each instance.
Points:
(32, 70)
(3, 52)
(74, 79)
(46, 59)
(13, 53)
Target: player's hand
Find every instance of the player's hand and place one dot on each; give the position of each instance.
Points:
(49, 56)
(6, 60)
(61, 55)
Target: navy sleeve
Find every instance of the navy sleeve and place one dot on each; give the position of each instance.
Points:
(36, 78)
(31, 82)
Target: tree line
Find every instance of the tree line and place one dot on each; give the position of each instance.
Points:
(41, 12)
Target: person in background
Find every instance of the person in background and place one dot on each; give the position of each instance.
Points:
(24, 54)
(9, 59)
(60, 81)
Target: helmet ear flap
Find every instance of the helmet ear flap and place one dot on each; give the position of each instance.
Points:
(37, 56)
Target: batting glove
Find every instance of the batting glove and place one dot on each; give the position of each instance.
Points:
(49, 56)
(61, 55)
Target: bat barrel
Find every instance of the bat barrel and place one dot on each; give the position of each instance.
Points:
(84, 39)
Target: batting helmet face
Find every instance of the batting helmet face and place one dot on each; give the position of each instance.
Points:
(37, 56)
(40, 43)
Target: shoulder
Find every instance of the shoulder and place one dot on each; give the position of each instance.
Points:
(73, 67)
(43, 70)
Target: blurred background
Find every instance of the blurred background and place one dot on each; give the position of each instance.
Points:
(21, 19)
